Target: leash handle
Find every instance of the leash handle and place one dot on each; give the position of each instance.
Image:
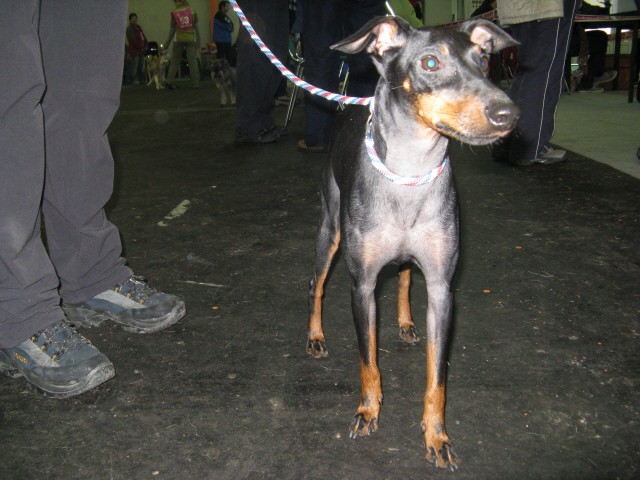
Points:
(287, 73)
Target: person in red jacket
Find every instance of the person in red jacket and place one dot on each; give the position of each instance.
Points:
(136, 50)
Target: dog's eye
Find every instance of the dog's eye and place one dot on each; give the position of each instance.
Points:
(484, 63)
(430, 63)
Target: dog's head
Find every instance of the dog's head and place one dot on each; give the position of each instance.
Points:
(220, 67)
(439, 76)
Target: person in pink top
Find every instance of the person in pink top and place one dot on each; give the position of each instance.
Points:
(184, 26)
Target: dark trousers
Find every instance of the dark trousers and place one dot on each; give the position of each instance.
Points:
(257, 79)
(59, 96)
(537, 83)
(227, 51)
(326, 23)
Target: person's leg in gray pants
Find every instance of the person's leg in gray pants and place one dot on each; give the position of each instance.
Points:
(58, 99)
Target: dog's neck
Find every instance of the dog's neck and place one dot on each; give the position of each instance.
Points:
(406, 147)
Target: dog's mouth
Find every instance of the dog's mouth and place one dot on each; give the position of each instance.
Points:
(472, 139)
(469, 120)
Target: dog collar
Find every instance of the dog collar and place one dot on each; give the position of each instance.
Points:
(389, 175)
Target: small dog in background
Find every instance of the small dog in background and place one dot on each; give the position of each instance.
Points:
(154, 68)
(224, 77)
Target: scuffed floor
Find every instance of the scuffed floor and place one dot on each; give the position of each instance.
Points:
(544, 363)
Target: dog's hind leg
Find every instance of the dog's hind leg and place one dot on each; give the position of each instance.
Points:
(408, 332)
(327, 244)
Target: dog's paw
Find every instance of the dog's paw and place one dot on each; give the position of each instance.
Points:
(409, 335)
(363, 426)
(317, 348)
(440, 453)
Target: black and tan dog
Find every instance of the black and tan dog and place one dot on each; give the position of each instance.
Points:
(388, 193)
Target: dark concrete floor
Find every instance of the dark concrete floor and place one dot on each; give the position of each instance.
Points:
(544, 376)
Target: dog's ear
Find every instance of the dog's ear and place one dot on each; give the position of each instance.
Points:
(376, 37)
(487, 35)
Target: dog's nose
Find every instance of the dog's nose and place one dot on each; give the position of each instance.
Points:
(503, 116)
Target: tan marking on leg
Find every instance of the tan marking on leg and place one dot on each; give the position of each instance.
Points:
(366, 421)
(408, 331)
(370, 253)
(315, 332)
(404, 306)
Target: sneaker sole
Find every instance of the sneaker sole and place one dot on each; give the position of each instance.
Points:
(548, 161)
(86, 317)
(96, 377)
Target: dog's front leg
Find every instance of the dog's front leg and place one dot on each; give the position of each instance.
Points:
(438, 447)
(364, 316)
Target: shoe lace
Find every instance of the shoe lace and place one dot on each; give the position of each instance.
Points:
(135, 288)
(54, 338)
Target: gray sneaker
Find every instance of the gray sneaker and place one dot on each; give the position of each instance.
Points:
(58, 361)
(605, 77)
(550, 156)
(132, 304)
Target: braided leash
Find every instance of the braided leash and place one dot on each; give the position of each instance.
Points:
(373, 155)
(287, 73)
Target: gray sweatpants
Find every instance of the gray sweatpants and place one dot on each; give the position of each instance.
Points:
(61, 73)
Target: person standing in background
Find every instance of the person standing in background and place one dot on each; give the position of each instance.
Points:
(543, 28)
(136, 50)
(257, 79)
(326, 23)
(184, 26)
(222, 31)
